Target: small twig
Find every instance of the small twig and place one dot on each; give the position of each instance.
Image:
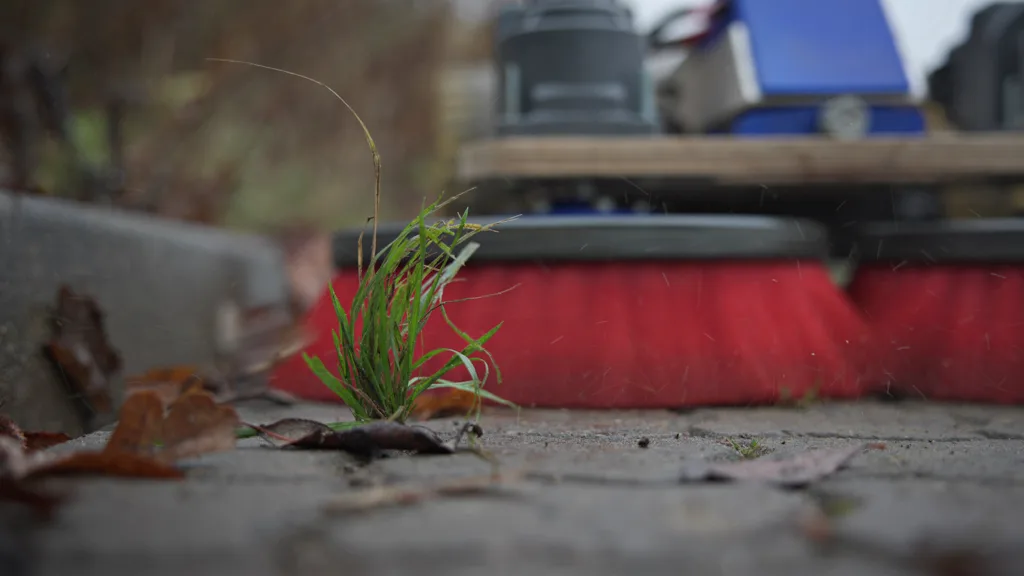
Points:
(266, 432)
(366, 132)
(469, 298)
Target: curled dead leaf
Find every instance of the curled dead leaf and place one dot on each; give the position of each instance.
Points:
(14, 461)
(81, 350)
(196, 424)
(289, 430)
(18, 466)
(30, 441)
(144, 444)
(140, 425)
(170, 383)
(443, 403)
(370, 439)
(10, 429)
(366, 440)
(791, 471)
(35, 441)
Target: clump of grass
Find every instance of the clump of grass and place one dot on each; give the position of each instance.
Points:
(400, 289)
(749, 451)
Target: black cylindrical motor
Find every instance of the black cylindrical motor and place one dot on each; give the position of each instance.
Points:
(572, 67)
(981, 85)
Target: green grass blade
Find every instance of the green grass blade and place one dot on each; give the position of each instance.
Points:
(456, 359)
(470, 387)
(476, 342)
(325, 376)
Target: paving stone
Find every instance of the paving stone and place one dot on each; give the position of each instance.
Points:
(905, 420)
(900, 513)
(595, 502)
(159, 527)
(976, 461)
(901, 518)
(565, 521)
(1004, 425)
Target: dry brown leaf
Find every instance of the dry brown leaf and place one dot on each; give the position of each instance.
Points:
(35, 441)
(365, 440)
(794, 470)
(140, 425)
(81, 350)
(288, 431)
(371, 439)
(11, 429)
(18, 466)
(195, 425)
(14, 461)
(145, 443)
(443, 403)
(30, 441)
(168, 383)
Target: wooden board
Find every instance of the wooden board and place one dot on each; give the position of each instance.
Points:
(937, 158)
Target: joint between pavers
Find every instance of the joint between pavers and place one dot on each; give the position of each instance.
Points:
(912, 475)
(698, 432)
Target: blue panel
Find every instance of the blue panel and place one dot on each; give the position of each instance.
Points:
(901, 120)
(810, 47)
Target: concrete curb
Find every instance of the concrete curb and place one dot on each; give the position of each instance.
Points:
(160, 283)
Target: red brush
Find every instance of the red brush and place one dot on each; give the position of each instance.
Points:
(639, 312)
(946, 301)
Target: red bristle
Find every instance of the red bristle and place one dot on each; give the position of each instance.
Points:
(640, 334)
(951, 332)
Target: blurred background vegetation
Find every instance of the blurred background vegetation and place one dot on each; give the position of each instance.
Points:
(153, 125)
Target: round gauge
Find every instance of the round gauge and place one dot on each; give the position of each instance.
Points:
(538, 204)
(641, 207)
(604, 205)
(845, 118)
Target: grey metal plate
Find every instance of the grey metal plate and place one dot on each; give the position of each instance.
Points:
(976, 240)
(626, 237)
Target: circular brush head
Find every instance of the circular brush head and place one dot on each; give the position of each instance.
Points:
(946, 302)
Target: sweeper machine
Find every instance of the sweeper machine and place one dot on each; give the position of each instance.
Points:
(676, 224)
